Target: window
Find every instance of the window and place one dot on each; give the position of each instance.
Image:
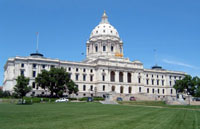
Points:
(153, 91)
(112, 76)
(120, 77)
(170, 77)
(22, 65)
(140, 89)
(91, 70)
(139, 80)
(33, 84)
(163, 82)
(84, 70)
(147, 90)
(84, 87)
(91, 78)
(84, 94)
(52, 66)
(34, 73)
(129, 90)
(121, 89)
(42, 93)
(113, 88)
(157, 76)
(69, 69)
(96, 48)
(43, 66)
(112, 48)
(104, 48)
(129, 77)
(103, 87)
(163, 91)
(76, 77)
(34, 66)
(170, 83)
(171, 91)
(152, 81)
(76, 69)
(104, 31)
(162, 76)
(69, 75)
(158, 91)
(111, 31)
(157, 82)
(96, 32)
(152, 75)
(84, 77)
(147, 75)
(22, 72)
(103, 77)
(147, 81)
(91, 88)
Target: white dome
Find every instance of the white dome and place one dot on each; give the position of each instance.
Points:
(104, 29)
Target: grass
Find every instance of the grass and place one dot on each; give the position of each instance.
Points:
(95, 116)
(157, 104)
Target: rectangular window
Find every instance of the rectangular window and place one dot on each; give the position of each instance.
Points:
(170, 83)
(69, 69)
(33, 85)
(91, 78)
(43, 66)
(84, 87)
(91, 88)
(76, 69)
(34, 73)
(147, 90)
(152, 81)
(103, 77)
(84, 77)
(22, 65)
(76, 77)
(34, 66)
(104, 48)
(157, 82)
(163, 82)
(163, 91)
(22, 72)
(83, 70)
(103, 87)
(158, 91)
(147, 81)
(139, 80)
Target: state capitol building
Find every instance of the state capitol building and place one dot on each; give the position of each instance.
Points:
(104, 70)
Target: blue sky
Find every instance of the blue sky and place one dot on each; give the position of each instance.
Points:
(172, 27)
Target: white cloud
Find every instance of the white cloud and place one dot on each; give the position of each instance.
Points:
(179, 63)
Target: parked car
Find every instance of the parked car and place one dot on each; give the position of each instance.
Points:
(132, 98)
(197, 99)
(119, 99)
(62, 100)
(89, 99)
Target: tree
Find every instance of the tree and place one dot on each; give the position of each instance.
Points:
(56, 81)
(189, 84)
(22, 88)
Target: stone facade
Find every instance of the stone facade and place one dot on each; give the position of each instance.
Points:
(104, 70)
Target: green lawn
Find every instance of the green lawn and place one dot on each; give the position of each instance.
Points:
(95, 116)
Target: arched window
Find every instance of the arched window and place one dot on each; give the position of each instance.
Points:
(120, 77)
(121, 89)
(96, 48)
(113, 88)
(129, 77)
(129, 90)
(147, 90)
(112, 76)
(153, 91)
